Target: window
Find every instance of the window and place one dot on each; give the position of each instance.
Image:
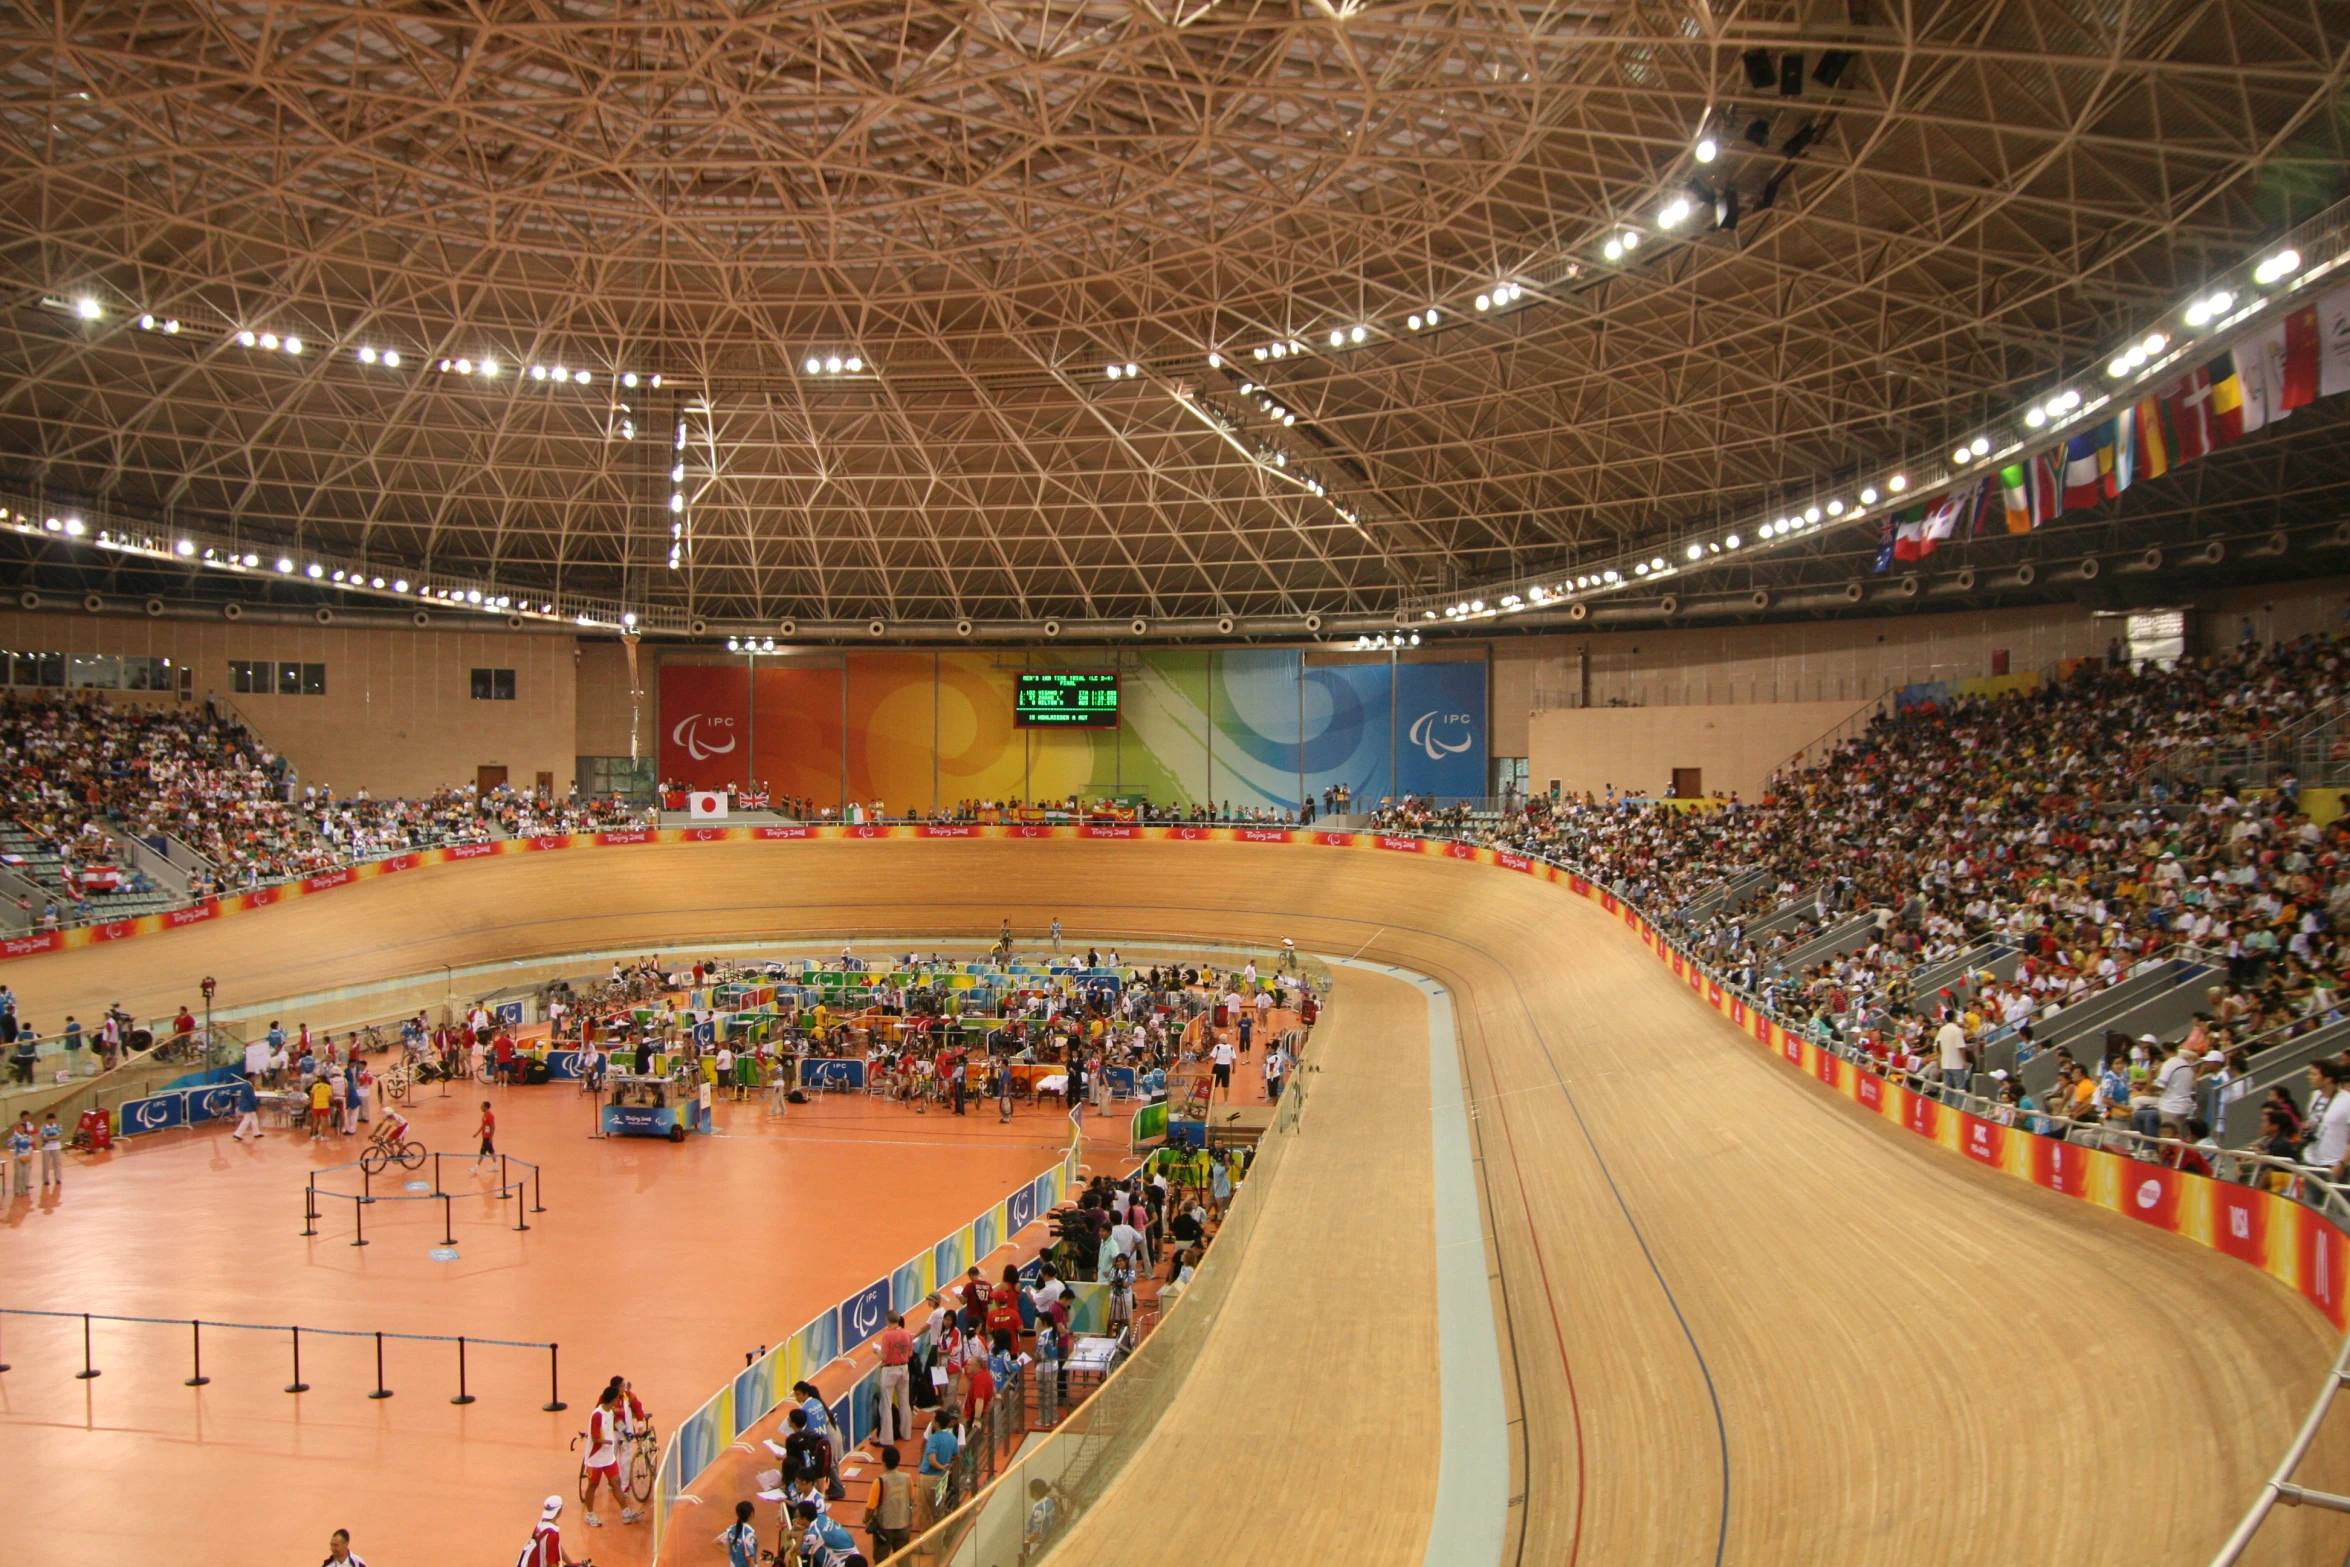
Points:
(601, 777)
(493, 685)
(36, 669)
(96, 672)
(262, 677)
(147, 674)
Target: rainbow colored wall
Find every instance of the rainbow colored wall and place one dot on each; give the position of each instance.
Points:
(921, 731)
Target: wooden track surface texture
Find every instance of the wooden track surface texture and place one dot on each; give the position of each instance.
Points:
(1744, 1321)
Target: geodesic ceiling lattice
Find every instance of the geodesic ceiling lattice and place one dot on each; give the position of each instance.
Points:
(1909, 216)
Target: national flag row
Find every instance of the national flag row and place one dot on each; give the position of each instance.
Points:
(2259, 382)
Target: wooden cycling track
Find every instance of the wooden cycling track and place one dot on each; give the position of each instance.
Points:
(1742, 1320)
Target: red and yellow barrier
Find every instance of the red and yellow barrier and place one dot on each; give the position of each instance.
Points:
(2288, 1240)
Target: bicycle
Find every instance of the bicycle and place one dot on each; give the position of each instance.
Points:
(637, 1468)
(378, 1157)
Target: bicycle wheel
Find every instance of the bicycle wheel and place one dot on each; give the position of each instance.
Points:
(397, 1082)
(412, 1155)
(373, 1160)
(640, 1474)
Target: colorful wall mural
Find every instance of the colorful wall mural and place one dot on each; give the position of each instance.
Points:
(1252, 727)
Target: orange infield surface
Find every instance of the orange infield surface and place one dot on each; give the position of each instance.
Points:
(665, 1262)
(1743, 1320)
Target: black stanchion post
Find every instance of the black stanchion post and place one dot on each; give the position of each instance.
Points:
(520, 1222)
(380, 1390)
(297, 1385)
(554, 1383)
(310, 1207)
(3, 1365)
(358, 1224)
(538, 1192)
(88, 1371)
(462, 1397)
(448, 1222)
(501, 1170)
(436, 1176)
(196, 1337)
(366, 1183)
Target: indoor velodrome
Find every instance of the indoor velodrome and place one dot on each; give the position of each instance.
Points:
(1221, 781)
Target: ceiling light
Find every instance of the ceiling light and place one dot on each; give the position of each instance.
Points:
(1413, 322)
(87, 308)
(367, 356)
(831, 365)
(73, 525)
(811, 365)
(539, 372)
(1259, 352)
(1898, 483)
(293, 345)
(1112, 371)
(1697, 552)
(184, 547)
(1484, 302)
(2118, 368)
(1215, 361)
(1359, 333)
(1811, 514)
(1631, 240)
(1609, 576)
(1476, 606)
(315, 570)
(1132, 370)
(628, 378)
(2155, 343)
(1614, 249)
(170, 327)
(580, 376)
(1960, 455)
(856, 366)
(559, 373)
(1641, 570)
(1706, 150)
(1835, 508)
(2209, 308)
(269, 340)
(375, 582)
(245, 340)
(2035, 416)
(1433, 317)
(465, 367)
(677, 503)
(400, 585)
(1732, 542)
(1980, 446)
(1337, 339)
(284, 564)
(1657, 564)
(1674, 211)
(1868, 495)
(2278, 267)
(489, 367)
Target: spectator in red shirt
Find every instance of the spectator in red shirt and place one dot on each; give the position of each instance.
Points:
(897, 1402)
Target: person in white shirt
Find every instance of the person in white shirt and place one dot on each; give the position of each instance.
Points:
(1950, 1044)
(2333, 1127)
(1222, 1061)
(2174, 1090)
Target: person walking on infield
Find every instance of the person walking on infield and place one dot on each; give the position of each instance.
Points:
(249, 1116)
(1223, 1067)
(1056, 933)
(488, 1133)
(339, 1552)
(741, 1540)
(52, 1153)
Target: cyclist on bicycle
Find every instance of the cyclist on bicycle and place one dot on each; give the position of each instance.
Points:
(391, 1132)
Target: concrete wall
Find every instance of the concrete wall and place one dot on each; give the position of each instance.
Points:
(398, 715)
(1635, 749)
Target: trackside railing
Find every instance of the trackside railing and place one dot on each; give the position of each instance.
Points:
(760, 1387)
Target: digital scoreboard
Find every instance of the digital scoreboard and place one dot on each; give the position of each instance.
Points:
(1065, 699)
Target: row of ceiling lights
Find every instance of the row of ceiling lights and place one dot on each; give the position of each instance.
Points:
(2205, 311)
(834, 364)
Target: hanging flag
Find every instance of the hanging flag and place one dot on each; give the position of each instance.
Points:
(2227, 400)
(2083, 485)
(2189, 401)
(2295, 376)
(1989, 497)
(2153, 454)
(2333, 343)
(1884, 546)
(2117, 459)
(2259, 359)
(2015, 491)
(2047, 472)
(1942, 519)
(1908, 533)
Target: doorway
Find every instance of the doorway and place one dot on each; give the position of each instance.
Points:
(1688, 783)
(546, 786)
(486, 779)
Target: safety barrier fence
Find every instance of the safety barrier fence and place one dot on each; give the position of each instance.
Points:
(1056, 1478)
(196, 1326)
(509, 1186)
(757, 1390)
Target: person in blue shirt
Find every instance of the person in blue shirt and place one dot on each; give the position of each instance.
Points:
(820, 1426)
(20, 1154)
(939, 1450)
(823, 1543)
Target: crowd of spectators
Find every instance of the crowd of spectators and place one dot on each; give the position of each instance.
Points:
(2088, 826)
